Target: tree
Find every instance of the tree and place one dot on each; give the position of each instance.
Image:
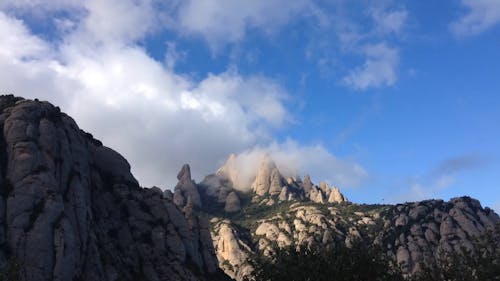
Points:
(356, 263)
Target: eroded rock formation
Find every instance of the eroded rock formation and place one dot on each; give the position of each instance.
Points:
(71, 210)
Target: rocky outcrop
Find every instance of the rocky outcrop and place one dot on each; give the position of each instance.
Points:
(411, 233)
(71, 210)
(232, 252)
(298, 225)
(232, 203)
(298, 212)
(186, 188)
(215, 188)
(415, 232)
(268, 180)
(270, 183)
(336, 196)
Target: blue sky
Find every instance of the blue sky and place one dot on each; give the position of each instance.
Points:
(391, 101)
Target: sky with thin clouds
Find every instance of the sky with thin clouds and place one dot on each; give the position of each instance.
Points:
(389, 100)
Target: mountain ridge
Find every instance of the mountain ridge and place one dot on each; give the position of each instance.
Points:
(71, 210)
(277, 212)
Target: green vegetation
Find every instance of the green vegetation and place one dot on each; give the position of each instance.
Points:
(369, 263)
(358, 263)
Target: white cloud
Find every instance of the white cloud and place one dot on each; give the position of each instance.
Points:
(293, 159)
(391, 21)
(156, 118)
(481, 15)
(227, 21)
(15, 35)
(378, 70)
(36, 6)
(114, 20)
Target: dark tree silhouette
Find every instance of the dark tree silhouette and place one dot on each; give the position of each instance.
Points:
(357, 263)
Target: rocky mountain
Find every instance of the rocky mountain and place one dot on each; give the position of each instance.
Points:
(274, 211)
(71, 210)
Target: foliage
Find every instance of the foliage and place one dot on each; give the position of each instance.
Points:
(370, 263)
(357, 263)
(11, 271)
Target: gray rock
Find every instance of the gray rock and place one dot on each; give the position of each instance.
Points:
(262, 181)
(336, 196)
(283, 194)
(276, 182)
(232, 203)
(307, 184)
(186, 188)
(73, 211)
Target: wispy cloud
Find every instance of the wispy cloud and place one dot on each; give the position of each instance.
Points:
(441, 177)
(389, 20)
(458, 164)
(220, 22)
(480, 16)
(370, 34)
(379, 69)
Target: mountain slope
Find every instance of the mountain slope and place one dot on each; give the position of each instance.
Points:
(276, 212)
(71, 210)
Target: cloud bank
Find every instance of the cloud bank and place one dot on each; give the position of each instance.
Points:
(294, 160)
(94, 67)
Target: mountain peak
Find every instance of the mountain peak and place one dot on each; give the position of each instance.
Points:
(268, 179)
(72, 209)
(185, 173)
(262, 177)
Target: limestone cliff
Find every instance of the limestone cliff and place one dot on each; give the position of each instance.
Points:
(275, 212)
(71, 210)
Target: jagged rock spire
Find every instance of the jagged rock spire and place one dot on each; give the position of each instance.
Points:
(185, 173)
(268, 179)
(307, 184)
(336, 196)
(186, 188)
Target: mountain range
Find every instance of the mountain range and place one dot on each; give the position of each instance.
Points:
(70, 209)
(274, 211)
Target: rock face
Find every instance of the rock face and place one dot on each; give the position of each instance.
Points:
(71, 210)
(421, 228)
(295, 212)
(267, 179)
(232, 203)
(411, 233)
(270, 183)
(232, 252)
(186, 188)
(336, 196)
